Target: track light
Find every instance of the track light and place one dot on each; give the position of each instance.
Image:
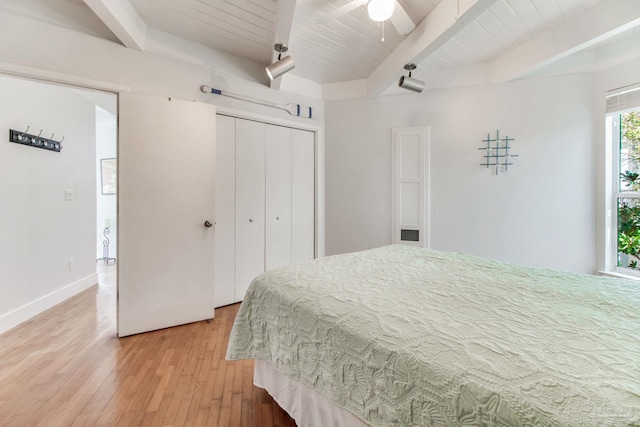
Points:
(408, 82)
(281, 66)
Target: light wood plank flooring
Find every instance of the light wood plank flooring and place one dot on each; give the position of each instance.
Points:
(66, 367)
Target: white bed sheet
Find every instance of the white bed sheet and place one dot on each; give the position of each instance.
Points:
(306, 406)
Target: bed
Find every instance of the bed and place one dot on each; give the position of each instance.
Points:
(407, 336)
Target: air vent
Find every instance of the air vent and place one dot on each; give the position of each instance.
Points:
(410, 235)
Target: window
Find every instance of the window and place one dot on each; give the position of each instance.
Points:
(626, 128)
(623, 127)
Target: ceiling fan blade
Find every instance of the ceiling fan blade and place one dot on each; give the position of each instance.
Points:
(401, 20)
(339, 11)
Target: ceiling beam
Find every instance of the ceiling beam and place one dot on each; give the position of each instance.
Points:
(447, 19)
(606, 20)
(282, 33)
(123, 20)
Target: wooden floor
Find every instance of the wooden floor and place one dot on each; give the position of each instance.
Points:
(66, 367)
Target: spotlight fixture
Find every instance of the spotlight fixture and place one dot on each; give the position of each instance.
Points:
(281, 66)
(381, 10)
(408, 82)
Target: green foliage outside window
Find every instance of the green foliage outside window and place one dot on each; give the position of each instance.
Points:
(629, 209)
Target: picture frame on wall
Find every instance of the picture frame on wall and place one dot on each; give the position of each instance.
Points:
(109, 175)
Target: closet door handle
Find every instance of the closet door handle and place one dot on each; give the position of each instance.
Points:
(207, 223)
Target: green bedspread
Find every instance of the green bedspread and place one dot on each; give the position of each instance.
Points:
(405, 336)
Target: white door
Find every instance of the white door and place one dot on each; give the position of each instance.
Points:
(166, 150)
(278, 203)
(303, 195)
(225, 218)
(410, 186)
(250, 203)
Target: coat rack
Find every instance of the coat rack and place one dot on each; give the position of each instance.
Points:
(37, 141)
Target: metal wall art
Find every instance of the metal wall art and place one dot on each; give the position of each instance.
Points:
(498, 153)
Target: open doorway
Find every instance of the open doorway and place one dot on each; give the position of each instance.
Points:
(106, 197)
(107, 185)
(48, 210)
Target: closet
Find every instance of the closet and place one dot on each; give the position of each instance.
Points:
(265, 202)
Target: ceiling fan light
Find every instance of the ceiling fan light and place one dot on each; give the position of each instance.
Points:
(380, 10)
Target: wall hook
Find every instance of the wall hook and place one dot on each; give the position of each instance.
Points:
(39, 134)
(22, 137)
(52, 135)
(62, 139)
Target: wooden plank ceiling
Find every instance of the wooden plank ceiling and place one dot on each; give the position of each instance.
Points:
(244, 28)
(350, 47)
(501, 35)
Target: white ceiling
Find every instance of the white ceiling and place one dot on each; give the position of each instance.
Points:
(504, 26)
(243, 27)
(348, 48)
(509, 38)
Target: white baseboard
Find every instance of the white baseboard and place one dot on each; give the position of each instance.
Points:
(22, 314)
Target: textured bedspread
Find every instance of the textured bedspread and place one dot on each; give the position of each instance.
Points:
(405, 336)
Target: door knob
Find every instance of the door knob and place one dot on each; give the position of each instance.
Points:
(250, 220)
(207, 223)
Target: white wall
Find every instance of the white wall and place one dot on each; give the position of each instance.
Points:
(106, 148)
(40, 231)
(61, 50)
(55, 52)
(177, 69)
(542, 214)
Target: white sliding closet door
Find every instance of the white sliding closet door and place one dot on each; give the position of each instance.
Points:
(225, 216)
(166, 186)
(278, 203)
(303, 195)
(250, 203)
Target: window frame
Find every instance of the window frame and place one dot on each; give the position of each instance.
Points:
(614, 141)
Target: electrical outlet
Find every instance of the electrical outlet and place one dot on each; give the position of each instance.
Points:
(72, 264)
(68, 194)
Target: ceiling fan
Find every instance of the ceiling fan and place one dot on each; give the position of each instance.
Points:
(379, 11)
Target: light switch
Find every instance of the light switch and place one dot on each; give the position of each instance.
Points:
(68, 194)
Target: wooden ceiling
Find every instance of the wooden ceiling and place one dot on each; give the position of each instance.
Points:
(506, 38)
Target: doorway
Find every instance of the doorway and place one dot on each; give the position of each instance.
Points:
(106, 187)
(48, 210)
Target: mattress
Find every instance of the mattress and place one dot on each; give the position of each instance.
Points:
(406, 336)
